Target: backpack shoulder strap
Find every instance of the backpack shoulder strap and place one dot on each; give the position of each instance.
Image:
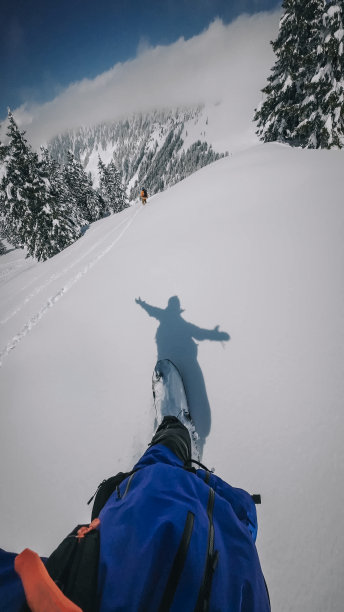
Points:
(104, 490)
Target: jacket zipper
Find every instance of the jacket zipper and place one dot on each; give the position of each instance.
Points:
(211, 559)
(178, 564)
(128, 485)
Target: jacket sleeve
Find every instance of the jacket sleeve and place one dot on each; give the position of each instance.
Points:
(12, 596)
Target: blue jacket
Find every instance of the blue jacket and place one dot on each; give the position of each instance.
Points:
(12, 595)
(169, 540)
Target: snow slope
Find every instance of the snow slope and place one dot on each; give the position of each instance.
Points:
(252, 244)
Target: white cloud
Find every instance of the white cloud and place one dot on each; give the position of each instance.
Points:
(144, 45)
(224, 63)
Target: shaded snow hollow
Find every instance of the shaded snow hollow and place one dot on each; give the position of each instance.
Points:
(252, 244)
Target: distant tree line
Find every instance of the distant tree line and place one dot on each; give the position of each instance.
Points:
(45, 206)
(149, 148)
(165, 166)
(304, 97)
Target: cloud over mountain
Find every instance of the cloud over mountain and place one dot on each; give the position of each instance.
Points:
(227, 63)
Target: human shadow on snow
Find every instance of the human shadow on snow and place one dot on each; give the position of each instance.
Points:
(175, 339)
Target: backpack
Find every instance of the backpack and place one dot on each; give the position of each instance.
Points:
(104, 490)
(74, 564)
(74, 567)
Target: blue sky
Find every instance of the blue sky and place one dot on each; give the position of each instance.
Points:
(45, 45)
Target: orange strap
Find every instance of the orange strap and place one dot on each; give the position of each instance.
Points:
(41, 592)
(83, 530)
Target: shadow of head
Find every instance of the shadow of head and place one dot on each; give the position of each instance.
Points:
(173, 306)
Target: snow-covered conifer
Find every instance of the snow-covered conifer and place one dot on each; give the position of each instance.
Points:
(80, 188)
(321, 122)
(32, 215)
(299, 30)
(111, 189)
(103, 188)
(3, 152)
(18, 186)
(121, 200)
(60, 220)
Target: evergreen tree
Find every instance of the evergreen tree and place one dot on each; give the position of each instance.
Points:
(81, 193)
(63, 226)
(117, 187)
(19, 187)
(299, 32)
(3, 153)
(322, 120)
(32, 213)
(111, 189)
(103, 188)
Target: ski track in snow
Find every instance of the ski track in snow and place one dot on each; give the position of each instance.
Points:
(62, 256)
(58, 275)
(7, 272)
(36, 318)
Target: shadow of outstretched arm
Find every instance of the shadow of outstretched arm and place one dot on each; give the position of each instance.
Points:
(152, 311)
(209, 334)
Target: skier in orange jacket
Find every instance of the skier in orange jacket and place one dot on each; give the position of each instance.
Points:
(143, 195)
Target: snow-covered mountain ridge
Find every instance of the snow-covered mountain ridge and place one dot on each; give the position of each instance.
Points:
(155, 150)
(252, 244)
